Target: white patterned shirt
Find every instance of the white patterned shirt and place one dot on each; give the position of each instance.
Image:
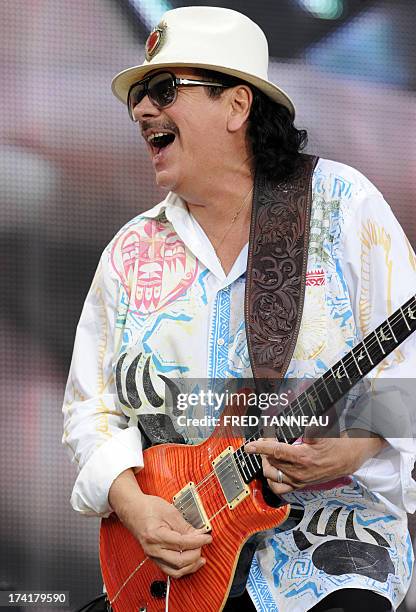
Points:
(160, 304)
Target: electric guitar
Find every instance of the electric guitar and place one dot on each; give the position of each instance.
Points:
(217, 486)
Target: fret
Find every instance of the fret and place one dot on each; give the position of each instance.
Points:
(396, 325)
(383, 335)
(258, 434)
(392, 332)
(280, 428)
(311, 402)
(318, 397)
(373, 348)
(368, 354)
(351, 368)
(281, 434)
(337, 381)
(326, 389)
(243, 466)
(405, 320)
(335, 384)
(298, 401)
(345, 369)
(259, 465)
(356, 362)
(378, 340)
(337, 375)
(292, 412)
(239, 454)
(292, 435)
(411, 312)
(250, 461)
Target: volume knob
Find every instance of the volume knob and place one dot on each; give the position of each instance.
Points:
(158, 589)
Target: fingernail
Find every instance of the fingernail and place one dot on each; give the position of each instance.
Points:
(250, 448)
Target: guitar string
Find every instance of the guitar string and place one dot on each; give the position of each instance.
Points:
(295, 410)
(205, 486)
(318, 386)
(136, 569)
(209, 475)
(127, 580)
(203, 490)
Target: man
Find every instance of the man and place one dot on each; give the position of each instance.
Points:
(168, 301)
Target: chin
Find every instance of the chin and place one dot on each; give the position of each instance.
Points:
(165, 180)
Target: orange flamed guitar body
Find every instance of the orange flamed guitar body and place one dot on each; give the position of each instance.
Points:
(128, 574)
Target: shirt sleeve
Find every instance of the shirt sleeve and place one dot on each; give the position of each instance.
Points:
(380, 272)
(96, 431)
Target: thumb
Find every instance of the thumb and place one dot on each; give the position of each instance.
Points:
(312, 435)
(177, 522)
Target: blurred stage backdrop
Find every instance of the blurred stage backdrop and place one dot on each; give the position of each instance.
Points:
(73, 170)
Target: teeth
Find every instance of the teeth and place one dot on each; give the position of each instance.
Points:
(157, 135)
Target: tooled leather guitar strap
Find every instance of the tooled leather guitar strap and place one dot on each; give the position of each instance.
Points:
(275, 290)
(276, 271)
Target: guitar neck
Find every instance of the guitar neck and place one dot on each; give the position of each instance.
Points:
(320, 396)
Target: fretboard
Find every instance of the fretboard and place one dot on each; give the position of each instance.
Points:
(320, 396)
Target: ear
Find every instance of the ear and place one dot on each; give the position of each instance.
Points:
(240, 100)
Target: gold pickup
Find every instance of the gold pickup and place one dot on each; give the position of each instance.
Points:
(229, 477)
(189, 504)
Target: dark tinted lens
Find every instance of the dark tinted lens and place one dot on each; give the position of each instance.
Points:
(162, 89)
(136, 95)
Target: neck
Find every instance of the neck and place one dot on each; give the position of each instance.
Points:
(219, 198)
(225, 218)
(218, 201)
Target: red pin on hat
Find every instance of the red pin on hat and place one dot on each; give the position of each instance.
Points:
(155, 40)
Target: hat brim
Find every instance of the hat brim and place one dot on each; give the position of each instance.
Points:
(122, 82)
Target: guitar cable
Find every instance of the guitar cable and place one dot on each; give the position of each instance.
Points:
(167, 594)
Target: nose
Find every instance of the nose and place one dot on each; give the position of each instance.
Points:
(145, 109)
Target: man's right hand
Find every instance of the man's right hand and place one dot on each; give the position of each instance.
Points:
(163, 533)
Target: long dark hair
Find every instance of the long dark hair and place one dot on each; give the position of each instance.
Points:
(275, 141)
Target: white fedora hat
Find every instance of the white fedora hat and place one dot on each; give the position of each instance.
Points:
(207, 37)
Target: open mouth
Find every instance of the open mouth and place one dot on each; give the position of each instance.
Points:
(160, 140)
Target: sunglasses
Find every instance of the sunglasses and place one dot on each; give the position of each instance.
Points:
(162, 89)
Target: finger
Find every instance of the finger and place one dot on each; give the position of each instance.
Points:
(178, 560)
(280, 472)
(277, 475)
(271, 472)
(274, 449)
(280, 489)
(312, 435)
(176, 521)
(179, 524)
(173, 540)
(178, 573)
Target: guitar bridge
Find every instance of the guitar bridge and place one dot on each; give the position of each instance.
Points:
(229, 477)
(189, 504)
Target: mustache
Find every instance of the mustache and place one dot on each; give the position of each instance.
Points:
(157, 125)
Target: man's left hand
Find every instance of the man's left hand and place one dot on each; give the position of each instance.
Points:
(315, 460)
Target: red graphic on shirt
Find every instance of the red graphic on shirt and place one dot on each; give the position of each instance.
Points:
(315, 278)
(153, 265)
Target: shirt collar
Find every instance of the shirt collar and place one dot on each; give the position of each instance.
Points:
(176, 212)
(173, 207)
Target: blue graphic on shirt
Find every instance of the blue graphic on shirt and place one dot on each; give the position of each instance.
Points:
(164, 316)
(219, 335)
(201, 279)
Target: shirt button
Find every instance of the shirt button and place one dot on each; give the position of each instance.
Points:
(220, 341)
